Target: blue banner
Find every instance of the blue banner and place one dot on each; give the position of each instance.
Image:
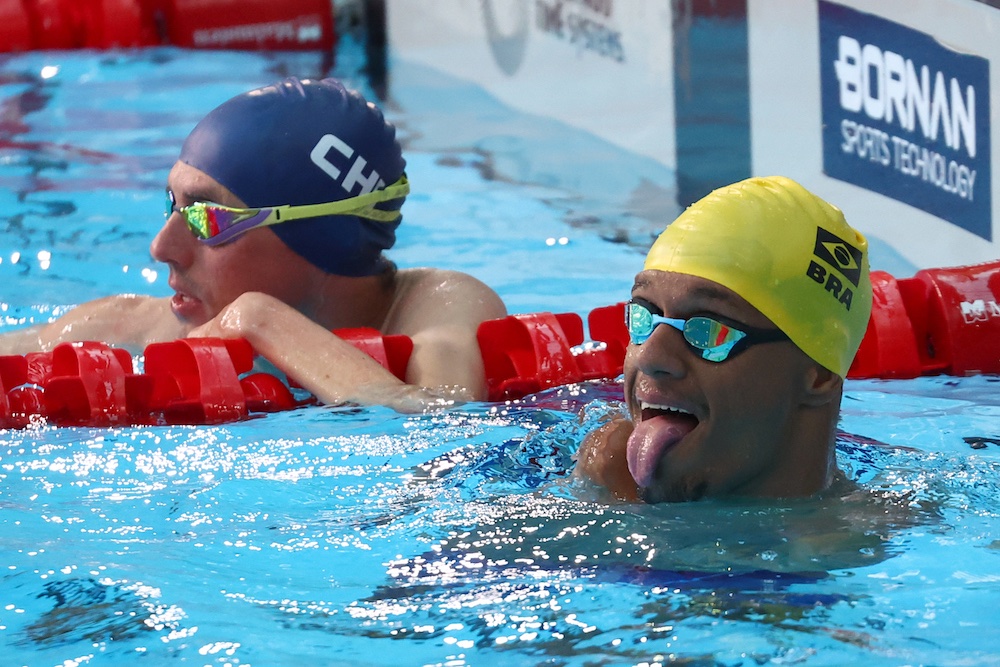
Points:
(906, 117)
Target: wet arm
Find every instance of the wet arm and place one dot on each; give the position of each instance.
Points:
(332, 370)
(20, 341)
(441, 314)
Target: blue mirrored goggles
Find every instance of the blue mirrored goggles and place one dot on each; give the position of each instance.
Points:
(716, 340)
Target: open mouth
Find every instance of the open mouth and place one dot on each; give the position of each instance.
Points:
(650, 410)
(659, 428)
(185, 306)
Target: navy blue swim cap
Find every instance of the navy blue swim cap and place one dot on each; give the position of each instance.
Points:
(306, 142)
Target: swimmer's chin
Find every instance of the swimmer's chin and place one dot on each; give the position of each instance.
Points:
(682, 492)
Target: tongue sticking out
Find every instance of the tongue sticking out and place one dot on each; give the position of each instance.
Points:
(650, 439)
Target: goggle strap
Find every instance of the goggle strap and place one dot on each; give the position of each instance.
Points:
(362, 206)
(377, 214)
(234, 230)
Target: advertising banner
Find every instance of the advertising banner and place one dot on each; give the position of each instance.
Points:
(905, 116)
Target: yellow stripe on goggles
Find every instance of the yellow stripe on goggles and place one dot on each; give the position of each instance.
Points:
(214, 224)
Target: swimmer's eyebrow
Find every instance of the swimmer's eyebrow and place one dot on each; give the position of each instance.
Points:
(192, 196)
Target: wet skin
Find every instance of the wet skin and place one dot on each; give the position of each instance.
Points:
(703, 428)
(205, 279)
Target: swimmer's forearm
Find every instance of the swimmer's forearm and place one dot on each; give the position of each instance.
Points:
(331, 369)
(336, 372)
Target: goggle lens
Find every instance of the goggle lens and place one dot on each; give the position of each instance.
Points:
(198, 219)
(715, 339)
(639, 322)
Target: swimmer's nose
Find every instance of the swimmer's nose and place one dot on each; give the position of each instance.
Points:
(663, 354)
(173, 244)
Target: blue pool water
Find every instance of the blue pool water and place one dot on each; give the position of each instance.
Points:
(362, 536)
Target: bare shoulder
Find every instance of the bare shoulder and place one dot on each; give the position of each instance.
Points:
(125, 319)
(441, 311)
(430, 283)
(602, 459)
(119, 304)
(440, 296)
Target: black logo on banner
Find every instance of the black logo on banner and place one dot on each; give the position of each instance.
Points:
(841, 258)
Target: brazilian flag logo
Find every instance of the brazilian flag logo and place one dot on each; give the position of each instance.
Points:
(839, 255)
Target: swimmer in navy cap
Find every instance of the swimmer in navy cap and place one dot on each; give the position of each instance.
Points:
(279, 211)
(307, 143)
(739, 348)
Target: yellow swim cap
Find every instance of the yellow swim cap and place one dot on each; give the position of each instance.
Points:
(788, 253)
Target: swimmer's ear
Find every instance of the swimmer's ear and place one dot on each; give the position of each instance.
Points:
(822, 386)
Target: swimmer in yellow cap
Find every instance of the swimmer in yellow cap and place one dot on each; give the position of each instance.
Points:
(764, 292)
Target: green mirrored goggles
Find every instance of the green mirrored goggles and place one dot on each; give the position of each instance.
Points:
(214, 224)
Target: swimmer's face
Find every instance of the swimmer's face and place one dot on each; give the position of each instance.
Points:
(205, 279)
(705, 428)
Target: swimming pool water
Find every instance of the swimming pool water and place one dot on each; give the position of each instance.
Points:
(362, 536)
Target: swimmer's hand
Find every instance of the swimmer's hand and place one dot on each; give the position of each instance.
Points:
(333, 370)
(601, 459)
(236, 320)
